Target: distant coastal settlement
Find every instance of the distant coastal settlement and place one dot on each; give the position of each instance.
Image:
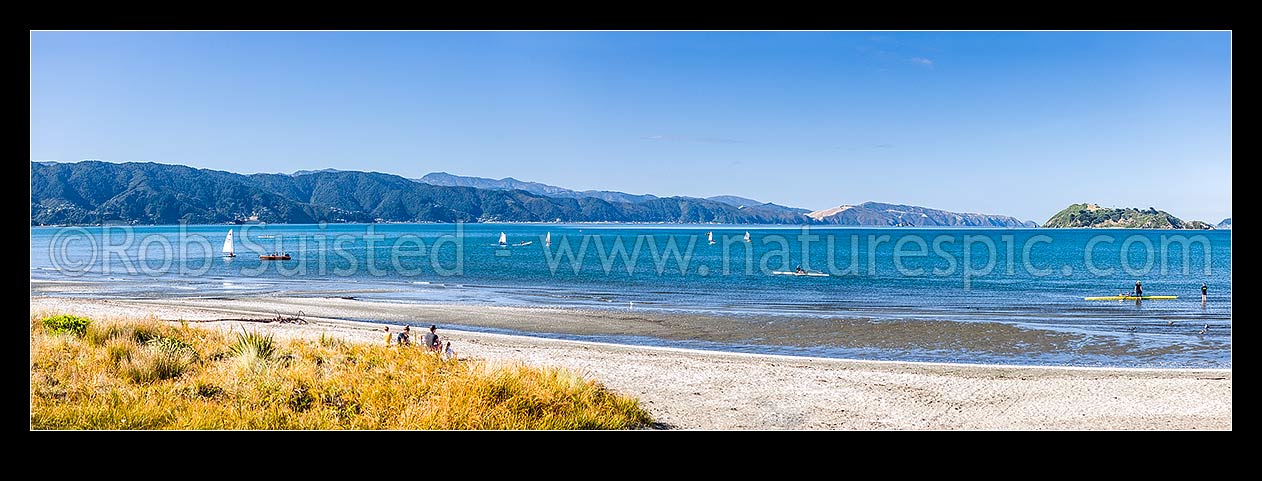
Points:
(102, 193)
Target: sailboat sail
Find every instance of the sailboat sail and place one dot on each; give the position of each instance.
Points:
(710, 237)
(503, 239)
(547, 241)
(746, 236)
(228, 248)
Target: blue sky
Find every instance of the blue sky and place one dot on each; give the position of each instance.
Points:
(1017, 123)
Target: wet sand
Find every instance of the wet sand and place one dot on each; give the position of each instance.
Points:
(692, 389)
(757, 332)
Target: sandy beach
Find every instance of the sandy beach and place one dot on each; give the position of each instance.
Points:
(693, 389)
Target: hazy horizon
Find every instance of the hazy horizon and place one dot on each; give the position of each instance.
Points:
(1012, 123)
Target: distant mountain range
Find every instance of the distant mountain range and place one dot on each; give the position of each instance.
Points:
(867, 214)
(740, 201)
(1092, 215)
(1225, 224)
(509, 183)
(744, 203)
(321, 171)
(94, 192)
(879, 214)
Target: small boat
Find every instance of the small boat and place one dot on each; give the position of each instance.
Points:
(523, 243)
(228, 249)
(547, 240)
(1129, 298)
(274, 257)
(804, 274)
(746, 236)
(710, 237)
(503, 240)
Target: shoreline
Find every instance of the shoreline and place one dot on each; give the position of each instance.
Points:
(643, 224)
(701, 389)
(580, 311)
(985, 343)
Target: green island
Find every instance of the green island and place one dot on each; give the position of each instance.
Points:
(1092, 215)
(148, 374)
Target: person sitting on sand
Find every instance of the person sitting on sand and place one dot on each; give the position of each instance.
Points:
(448, 353)
(431, 339)
(405, 337)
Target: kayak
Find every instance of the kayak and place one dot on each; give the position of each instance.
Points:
(1128, 298)
(807, 274)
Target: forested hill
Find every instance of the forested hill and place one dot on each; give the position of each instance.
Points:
(92, 192)
(1092, 215)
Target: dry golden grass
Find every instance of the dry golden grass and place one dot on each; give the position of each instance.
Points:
(145, 374)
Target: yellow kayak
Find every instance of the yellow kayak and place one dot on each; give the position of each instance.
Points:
(1128, 298)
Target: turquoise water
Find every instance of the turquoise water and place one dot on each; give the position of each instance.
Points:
(1030, 278)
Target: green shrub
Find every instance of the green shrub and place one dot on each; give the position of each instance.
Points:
(66, 323)
(254, 344)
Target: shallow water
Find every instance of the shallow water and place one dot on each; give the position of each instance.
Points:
(1013, 297)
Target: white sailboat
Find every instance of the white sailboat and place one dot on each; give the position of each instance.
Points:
(547, 240)
(710, 237)
(503, 240)
(229, 249)
(746, 236)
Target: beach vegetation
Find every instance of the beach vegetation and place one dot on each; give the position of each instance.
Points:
(65, 323)
(148, 374)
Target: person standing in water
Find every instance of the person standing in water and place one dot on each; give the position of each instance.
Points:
(1204, 292)
(1139, 289)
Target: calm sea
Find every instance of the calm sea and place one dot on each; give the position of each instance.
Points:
(1033, 279)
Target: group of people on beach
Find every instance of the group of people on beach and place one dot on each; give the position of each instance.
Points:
(430, 340)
